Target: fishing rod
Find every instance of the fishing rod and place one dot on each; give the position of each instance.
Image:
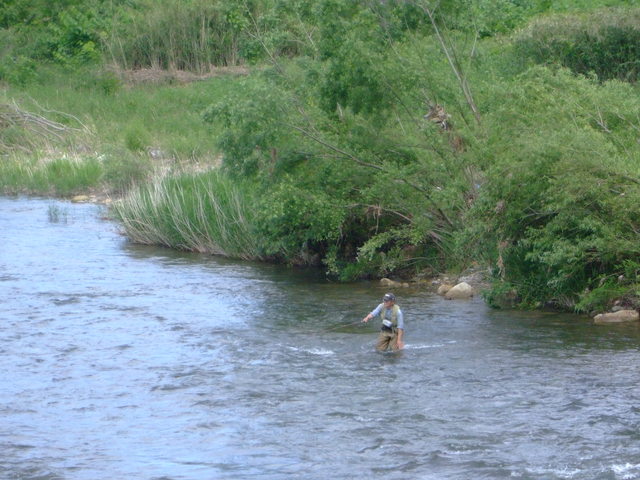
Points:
(344, 325)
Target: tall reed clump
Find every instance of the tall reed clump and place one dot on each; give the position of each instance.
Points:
(189, 35)
(195, 212)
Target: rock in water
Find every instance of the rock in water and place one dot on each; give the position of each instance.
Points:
(617, 317)
(461, 290)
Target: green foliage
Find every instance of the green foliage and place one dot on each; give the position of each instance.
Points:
(17, 71)
(600, 298)
(630, 271)
(256, 127)
(347, 125)
(330, 186)
(383, 253)
(606, 43)
(298, 222)
(352, 45)
(191, 35)
(75, 37)
(69, 32)
(562, 203)
(35, 12)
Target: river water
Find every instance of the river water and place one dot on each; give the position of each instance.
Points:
(120, 361)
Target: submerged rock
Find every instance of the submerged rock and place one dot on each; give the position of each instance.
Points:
(391, 283)
(617, 317)
(444, 288)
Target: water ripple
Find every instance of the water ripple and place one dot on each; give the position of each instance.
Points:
(122, 361)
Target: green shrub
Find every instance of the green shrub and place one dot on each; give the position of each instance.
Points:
(18, 71)
(561, 200)
(65, 32)
(76, 36)
(297, 222)
(255, 124)
(601, 298)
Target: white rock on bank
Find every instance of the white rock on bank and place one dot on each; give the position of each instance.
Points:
(460, 291)
(617, 317)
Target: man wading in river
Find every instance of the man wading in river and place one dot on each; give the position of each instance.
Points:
(392, 328)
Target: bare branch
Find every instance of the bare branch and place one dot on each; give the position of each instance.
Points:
(443, 216)
(381, 209)
(455, 65)
(37, 126)
(330, 146)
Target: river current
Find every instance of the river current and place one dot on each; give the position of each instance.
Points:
(120, 361)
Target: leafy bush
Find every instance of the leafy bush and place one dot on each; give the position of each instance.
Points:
(561, 203)
(18, 71)
(68, 32)
(76, 36)
(600, 298)
(342, 151)
(256, 130)
(298, 224)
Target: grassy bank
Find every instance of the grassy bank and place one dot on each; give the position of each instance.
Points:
(110, 130)
(60, 176)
